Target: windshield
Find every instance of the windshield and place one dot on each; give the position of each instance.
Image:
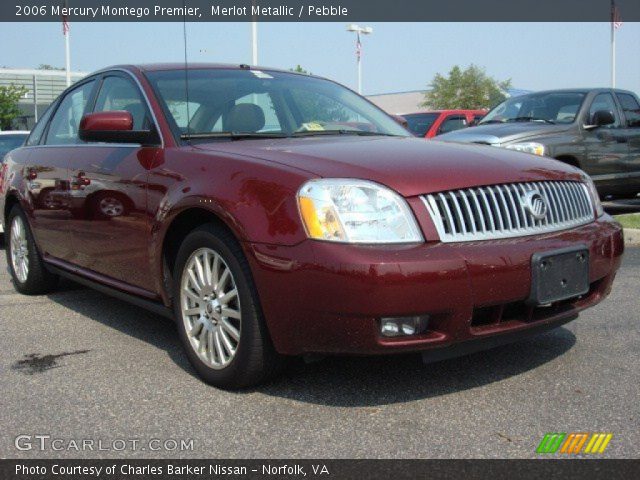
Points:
(551, 107)
(252, 103)
(420, 123)
(9, 142)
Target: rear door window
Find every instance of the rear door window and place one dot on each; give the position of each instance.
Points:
(631, 108)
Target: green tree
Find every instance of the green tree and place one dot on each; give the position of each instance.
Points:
(9, 97)
(468, 89)
(299, 69)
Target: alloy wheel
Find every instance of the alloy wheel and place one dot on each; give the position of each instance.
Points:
(19, 249)
(210, 307)
(111, 207)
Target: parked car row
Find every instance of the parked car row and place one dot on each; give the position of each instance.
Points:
(430, 123)
(9, 139)
(274, 214)
(596, 130)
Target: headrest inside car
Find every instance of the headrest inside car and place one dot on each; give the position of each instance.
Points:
(244, 117)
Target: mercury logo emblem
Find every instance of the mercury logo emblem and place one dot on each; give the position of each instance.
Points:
(535, 204)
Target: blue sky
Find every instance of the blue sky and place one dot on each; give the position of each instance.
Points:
(396, 57)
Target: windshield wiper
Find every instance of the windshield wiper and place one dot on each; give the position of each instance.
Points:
(531, 119)
(362, 133)
(232, 135)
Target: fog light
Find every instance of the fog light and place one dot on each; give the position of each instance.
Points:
(403, 326)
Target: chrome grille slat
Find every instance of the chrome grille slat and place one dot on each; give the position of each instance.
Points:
(472, 221)
(497, 208)
(572, 200)
(499, 211)
(563, 199)
(477, 204)
(514, 206)
(487, 209)
(555, 217)
(506, 208)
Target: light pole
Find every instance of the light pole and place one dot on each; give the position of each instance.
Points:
(359, 31)
(254, 37)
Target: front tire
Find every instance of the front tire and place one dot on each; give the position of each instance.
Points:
(218, 312)
(30, 275)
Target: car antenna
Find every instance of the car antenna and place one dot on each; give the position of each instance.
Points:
(186, 68)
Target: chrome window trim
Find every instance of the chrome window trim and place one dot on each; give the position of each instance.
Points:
(85, 145)
(569, 205)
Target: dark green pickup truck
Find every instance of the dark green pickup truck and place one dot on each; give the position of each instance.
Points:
(597, 130)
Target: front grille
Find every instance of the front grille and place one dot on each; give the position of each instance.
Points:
(505, 211)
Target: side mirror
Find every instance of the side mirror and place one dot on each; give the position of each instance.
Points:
(601, 118)
(401, 120)
(114, 127)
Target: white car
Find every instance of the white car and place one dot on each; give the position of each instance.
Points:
(9, 140)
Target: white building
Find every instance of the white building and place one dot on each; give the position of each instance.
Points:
(397, 103)
(43, 87)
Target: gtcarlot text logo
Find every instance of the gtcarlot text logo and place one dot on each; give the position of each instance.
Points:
(47, 442)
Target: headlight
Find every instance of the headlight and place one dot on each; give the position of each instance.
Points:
(595, 198)
(527, 147)
(356, 211)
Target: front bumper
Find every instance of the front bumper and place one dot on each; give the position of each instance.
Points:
(320, 297)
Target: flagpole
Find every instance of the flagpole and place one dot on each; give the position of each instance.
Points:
(359, 65)
(613, 44)
(67, 58)
(67, 50)
(254, 43)
(254, 37)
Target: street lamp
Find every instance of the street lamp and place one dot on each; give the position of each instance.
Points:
(359, 31)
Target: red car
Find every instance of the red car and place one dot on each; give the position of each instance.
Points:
(274, 214)
(430, 123)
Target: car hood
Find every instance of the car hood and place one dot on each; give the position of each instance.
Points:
(499, 133)
(411, 166)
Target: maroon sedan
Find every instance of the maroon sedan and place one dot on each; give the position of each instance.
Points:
(276, 214)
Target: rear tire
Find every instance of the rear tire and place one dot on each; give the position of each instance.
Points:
(28, 271)
(218, 313)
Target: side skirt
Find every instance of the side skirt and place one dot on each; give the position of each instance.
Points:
(147, 304)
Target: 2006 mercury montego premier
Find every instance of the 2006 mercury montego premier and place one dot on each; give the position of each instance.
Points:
(275, 214)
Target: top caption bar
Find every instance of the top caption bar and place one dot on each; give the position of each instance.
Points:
(318, 10)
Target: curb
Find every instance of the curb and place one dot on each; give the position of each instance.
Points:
(632, 236)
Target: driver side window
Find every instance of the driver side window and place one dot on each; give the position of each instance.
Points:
(604, 101)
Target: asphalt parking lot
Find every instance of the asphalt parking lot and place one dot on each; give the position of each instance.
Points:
(79, 365)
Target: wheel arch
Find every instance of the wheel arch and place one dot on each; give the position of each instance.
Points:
(182, 222)
(10, 200)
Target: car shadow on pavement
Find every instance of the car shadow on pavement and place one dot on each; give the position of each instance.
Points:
(123, 317)
(336, 381)
(382, 380)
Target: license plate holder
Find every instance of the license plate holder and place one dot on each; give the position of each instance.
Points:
(559, 275)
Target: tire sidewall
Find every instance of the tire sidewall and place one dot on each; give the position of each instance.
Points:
(231, 375)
